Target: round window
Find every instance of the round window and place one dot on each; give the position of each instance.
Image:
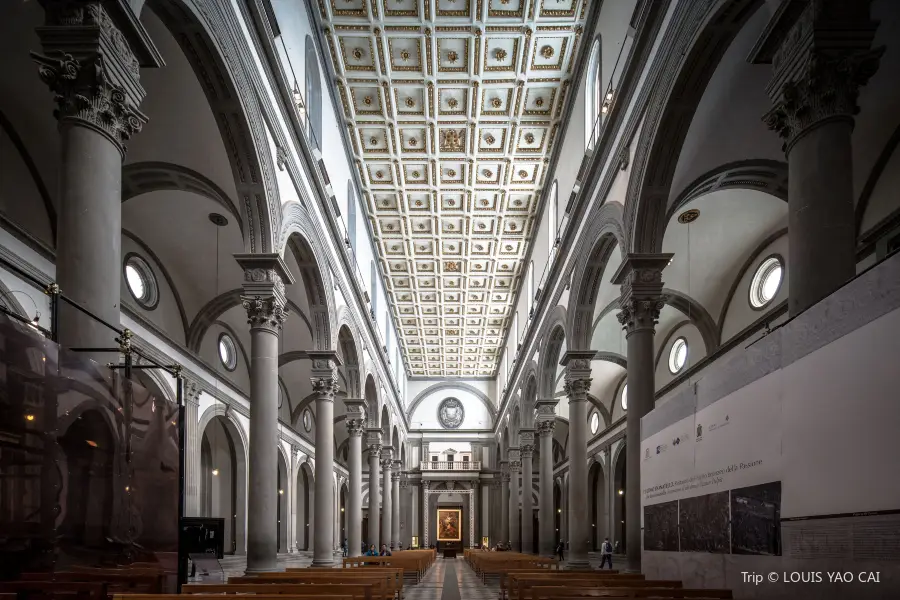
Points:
(595, 423)
(307, 420)
(766, 282)
(227, 352)
(140, 281)
(678, 355)
(625, 397)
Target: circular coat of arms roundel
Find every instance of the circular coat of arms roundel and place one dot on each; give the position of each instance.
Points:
(451, 413)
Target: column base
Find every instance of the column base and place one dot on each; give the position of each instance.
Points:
(262, 569)
(577, 564)
(323, 562)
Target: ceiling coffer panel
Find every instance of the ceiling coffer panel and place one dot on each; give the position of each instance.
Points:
(453, 106)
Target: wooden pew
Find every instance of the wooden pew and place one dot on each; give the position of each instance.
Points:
(380, 569)
(498, 563)
(504, 577)
(564, 592)
(520, 586)
(139, 581)
(38, 589)
(383, 584)
(219, 597)
(358, 591)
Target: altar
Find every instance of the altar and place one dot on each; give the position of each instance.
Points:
(449, 523)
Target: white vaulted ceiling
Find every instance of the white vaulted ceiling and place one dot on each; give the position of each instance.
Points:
(452, 108)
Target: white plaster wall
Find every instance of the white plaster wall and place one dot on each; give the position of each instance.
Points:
(165, 314)
(696, 351)
(739, 313)
(425, 415)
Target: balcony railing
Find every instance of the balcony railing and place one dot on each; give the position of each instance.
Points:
(450, 465)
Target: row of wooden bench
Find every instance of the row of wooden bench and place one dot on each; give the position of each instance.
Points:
(362, 578)
(528, 577)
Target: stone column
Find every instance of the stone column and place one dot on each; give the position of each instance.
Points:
(91, 62)
(821, 56)
(355, 427)
(578, 382)
(485, 510)
(395, 504)
(546, 519)
(416, 514)
(526, 450)
(374, 444)
(325, 384)
(515, 466)
(640, 276)
(387, 504)
(193, 474)
(504, 501)
(264, 300)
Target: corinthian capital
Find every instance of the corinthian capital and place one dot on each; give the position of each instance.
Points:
(92, 56)
(821, 55)
(324, 388)
(639, 313)
(356, 427)
(640, 278)
(527, 450)
(545, 428)
(264, 312)
(324, 373)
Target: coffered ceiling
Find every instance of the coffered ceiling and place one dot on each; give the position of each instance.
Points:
(452, 108)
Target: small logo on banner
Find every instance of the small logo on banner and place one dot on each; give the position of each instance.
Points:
(699, 432)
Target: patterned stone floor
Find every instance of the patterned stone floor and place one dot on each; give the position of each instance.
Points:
(451, 579)
(448, 579)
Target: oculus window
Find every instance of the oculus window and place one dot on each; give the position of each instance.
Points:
(625, 397)
(227, 352)
(595, 423)
(766, 282)
(678, 354)
(307, 420)
(141, 281)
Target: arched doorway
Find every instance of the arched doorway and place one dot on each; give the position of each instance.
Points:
(597, 495)
(89, 448)
(223, 480)
(283, 513)
(619, 502)
(557, 511)
(305, 503)
(342, 513)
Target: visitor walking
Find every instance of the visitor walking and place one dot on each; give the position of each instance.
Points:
(560, 549)
(606, 553)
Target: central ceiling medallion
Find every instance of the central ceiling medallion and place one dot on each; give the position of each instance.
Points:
(547, 51)
(500, 54)
(453, 56)
(451, 141)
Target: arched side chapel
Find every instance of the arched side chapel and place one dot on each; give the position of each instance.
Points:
(474, 274)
